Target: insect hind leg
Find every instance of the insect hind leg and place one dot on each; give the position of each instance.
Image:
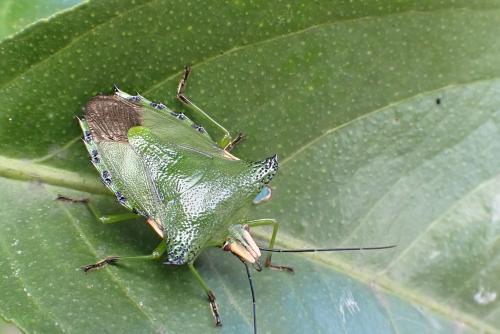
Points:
(156, 254)
(210, 294)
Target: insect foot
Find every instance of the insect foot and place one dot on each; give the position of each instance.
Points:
(71, 200)
(214, 308)
(272, 266)
(100, 264)
(235, 141)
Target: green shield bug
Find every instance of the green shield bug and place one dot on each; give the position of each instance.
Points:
(190, 189)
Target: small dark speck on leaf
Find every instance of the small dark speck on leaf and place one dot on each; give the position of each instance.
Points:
(438, 101)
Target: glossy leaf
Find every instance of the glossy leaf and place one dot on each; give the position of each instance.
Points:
(385, 117)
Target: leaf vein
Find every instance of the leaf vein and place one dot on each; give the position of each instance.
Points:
(70, 43)
(33, 299)
(106, 270)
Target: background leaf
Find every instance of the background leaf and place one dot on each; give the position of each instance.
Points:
(15, 15)
(385, 117)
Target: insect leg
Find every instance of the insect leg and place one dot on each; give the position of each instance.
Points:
(116, 218)
(276, 226)
(156, 254)
(235, 141)
(211, 296)
(226, 138)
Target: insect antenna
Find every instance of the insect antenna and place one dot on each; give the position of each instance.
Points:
(253, 297)
(312, 250)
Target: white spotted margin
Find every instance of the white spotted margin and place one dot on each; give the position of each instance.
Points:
(144, 102)
(100, 164)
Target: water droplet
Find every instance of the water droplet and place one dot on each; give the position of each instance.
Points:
(484, 297)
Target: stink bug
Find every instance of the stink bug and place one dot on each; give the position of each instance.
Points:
(188, 187)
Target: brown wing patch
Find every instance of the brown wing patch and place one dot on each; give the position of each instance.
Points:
(110, 118)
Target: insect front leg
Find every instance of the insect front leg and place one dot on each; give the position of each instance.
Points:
(116, 218)
(276, 226)
(226, 141)
(156, 254)
(210, 294)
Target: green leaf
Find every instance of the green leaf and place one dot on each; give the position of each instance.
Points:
(16, 14)
(385, 117)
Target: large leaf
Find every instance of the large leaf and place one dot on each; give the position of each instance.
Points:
(385, 117)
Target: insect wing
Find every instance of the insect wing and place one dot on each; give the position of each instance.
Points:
(121, 169)
(171, 127)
